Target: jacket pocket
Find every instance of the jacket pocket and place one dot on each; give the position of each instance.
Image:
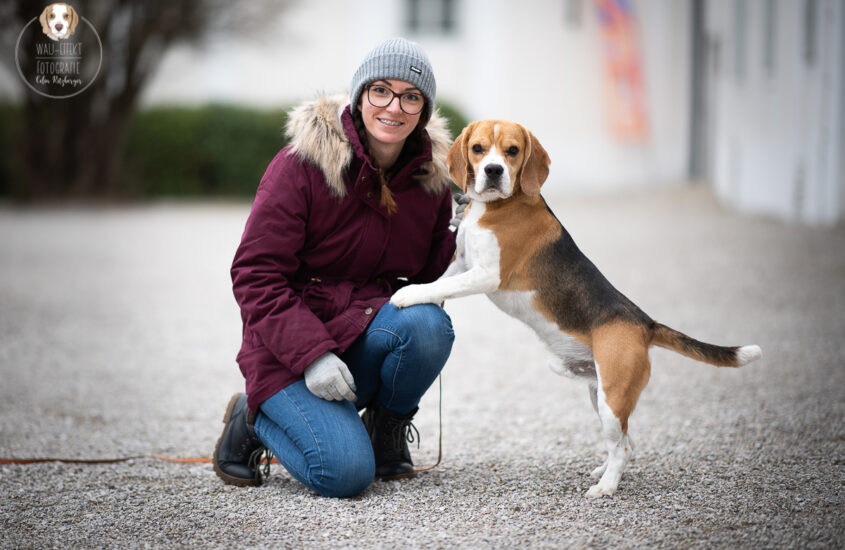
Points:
(327, 299)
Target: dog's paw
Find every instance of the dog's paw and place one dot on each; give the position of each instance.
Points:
(409, 296)
(598, 472)
(598, 491)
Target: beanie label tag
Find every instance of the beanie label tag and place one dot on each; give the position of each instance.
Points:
(415, 69)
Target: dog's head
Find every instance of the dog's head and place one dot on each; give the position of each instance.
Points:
(58, 21)
(496, 159)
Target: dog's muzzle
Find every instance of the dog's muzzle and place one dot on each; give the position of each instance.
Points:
(493, 176)
(494, 171)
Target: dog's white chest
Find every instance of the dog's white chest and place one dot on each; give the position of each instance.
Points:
(477, 246)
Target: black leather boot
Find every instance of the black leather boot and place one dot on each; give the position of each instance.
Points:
(390, 434)
(237, 455)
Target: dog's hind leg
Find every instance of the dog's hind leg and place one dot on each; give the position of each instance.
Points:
(598, 472)
(618, 449)
(622, 371)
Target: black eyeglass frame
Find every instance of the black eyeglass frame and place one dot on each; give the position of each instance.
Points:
(395, 95)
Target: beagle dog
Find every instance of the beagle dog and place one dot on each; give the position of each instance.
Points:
(512, 247)
(58, 21)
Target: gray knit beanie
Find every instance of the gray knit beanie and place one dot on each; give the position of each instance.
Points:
(399, 59)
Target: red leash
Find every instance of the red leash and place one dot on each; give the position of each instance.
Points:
(97, 460)
(197, 460)
(201, 460)
(440, 435)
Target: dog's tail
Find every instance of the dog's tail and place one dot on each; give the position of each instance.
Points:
(720, 356)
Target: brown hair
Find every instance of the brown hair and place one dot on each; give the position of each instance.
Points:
(413, 147)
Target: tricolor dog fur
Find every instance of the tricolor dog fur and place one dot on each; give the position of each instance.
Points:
(513, 248)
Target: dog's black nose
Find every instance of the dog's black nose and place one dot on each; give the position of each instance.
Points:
(59, 26)
(494, 170)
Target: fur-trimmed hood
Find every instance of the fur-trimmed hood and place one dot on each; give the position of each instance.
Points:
(317, 135)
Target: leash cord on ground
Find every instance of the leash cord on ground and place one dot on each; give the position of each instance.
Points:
(440, 430)
(199, 460)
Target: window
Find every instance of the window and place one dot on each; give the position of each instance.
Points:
(431, 16)
(573, 13)
(811, 8)
(770, 21)
(740, 34)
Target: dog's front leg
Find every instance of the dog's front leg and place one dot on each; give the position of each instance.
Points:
(454, 268)
(477, 280)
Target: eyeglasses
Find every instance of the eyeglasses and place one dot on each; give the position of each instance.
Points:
(381, 96)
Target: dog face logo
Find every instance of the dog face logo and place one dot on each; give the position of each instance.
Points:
(58, 21)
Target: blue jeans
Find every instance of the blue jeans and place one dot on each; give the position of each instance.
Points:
(323, 444)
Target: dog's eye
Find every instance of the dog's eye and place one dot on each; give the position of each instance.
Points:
(477, 149)
(513, 150)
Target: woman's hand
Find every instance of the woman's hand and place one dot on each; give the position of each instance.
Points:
(329, 378)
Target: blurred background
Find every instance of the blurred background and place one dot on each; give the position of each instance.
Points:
(744, 96)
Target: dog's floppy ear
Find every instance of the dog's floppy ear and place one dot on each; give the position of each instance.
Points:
(45, 25)
(535, 165)
(74, 20)
(457, 159)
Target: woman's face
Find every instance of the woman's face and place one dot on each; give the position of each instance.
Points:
(390, 124)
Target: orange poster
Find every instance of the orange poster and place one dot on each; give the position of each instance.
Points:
(624, 82)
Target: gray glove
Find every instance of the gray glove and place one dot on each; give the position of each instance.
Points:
(462, 201)
(329, 378)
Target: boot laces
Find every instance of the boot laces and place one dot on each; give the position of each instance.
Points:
(256, 461)
(403, 429)
(248, 446)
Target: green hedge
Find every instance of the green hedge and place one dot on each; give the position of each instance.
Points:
(213, 150)
(456, 120)
(210, 150)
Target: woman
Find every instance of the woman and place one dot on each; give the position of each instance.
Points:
(356, 207)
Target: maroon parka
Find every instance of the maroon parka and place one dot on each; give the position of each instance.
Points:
(319, 256)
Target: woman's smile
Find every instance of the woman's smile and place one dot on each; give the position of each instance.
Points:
(388, 122)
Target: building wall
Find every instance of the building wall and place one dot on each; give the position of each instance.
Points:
(544, 67)
(304, 50)
(778, 101)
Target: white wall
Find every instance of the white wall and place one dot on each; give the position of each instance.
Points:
(779, 132)
(529, 65)
(295, 56)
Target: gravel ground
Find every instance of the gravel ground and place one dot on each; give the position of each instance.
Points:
(118, 332)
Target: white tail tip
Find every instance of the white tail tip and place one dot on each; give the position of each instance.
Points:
(746, 354)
